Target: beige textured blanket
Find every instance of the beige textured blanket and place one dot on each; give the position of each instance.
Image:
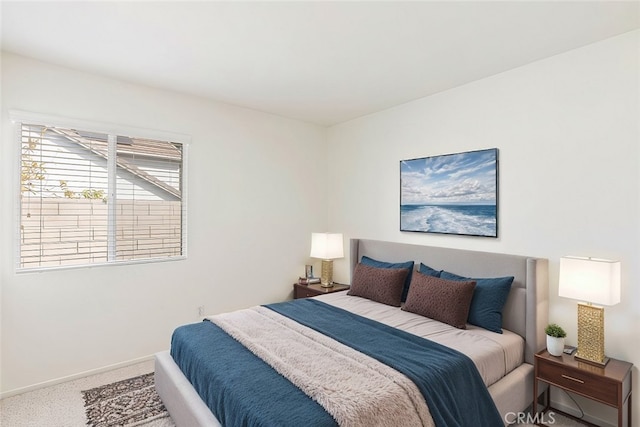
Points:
(354, 388)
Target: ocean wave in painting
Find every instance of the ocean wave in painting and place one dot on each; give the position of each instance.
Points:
(476, 220)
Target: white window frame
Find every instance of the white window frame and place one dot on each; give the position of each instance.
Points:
(18, 117)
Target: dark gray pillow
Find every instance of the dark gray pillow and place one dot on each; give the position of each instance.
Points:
(383, 285)
(443, 300)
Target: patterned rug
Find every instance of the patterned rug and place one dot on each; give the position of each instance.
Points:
(131, 402)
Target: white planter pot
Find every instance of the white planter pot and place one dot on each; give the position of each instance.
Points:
(555, 346)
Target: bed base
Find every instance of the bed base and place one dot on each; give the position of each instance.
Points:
(178, 395)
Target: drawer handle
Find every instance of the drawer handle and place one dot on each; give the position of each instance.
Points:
(572, 379)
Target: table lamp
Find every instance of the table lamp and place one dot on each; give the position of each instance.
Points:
(595, 281)
(326, 246)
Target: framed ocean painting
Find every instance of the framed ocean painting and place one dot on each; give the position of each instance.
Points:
(451, 194)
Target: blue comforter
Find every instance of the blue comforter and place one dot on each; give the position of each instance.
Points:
(242, 390)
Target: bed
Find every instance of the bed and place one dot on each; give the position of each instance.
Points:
(509, 383)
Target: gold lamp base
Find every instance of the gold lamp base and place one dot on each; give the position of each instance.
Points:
(591, 335)
(326, 273)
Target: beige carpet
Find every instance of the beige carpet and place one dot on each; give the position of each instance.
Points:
(62, 405)
(556, 421)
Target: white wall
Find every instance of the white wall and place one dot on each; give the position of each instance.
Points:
(255, 182)
(568, 132)
(567, 128)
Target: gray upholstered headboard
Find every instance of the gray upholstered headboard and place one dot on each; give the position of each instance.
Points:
(526, 310)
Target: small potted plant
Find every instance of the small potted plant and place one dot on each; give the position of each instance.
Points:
(555, 339)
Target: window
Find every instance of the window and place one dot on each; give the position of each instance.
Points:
(93, 198)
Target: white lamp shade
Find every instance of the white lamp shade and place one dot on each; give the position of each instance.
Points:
(326, 245)
(590, 279)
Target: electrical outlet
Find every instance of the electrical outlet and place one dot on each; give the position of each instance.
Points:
(201, 310)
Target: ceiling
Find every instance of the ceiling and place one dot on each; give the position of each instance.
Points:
(320, 62)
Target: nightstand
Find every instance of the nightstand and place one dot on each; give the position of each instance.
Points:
(306, 291)
(610, 385)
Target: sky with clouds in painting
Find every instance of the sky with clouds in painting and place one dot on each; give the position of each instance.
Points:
(453, 179)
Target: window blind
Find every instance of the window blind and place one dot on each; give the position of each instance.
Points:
(89, 198)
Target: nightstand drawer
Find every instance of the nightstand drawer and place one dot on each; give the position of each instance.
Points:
(580, 382)
(304, 293)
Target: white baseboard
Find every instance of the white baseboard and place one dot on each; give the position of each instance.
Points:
(72, 377)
